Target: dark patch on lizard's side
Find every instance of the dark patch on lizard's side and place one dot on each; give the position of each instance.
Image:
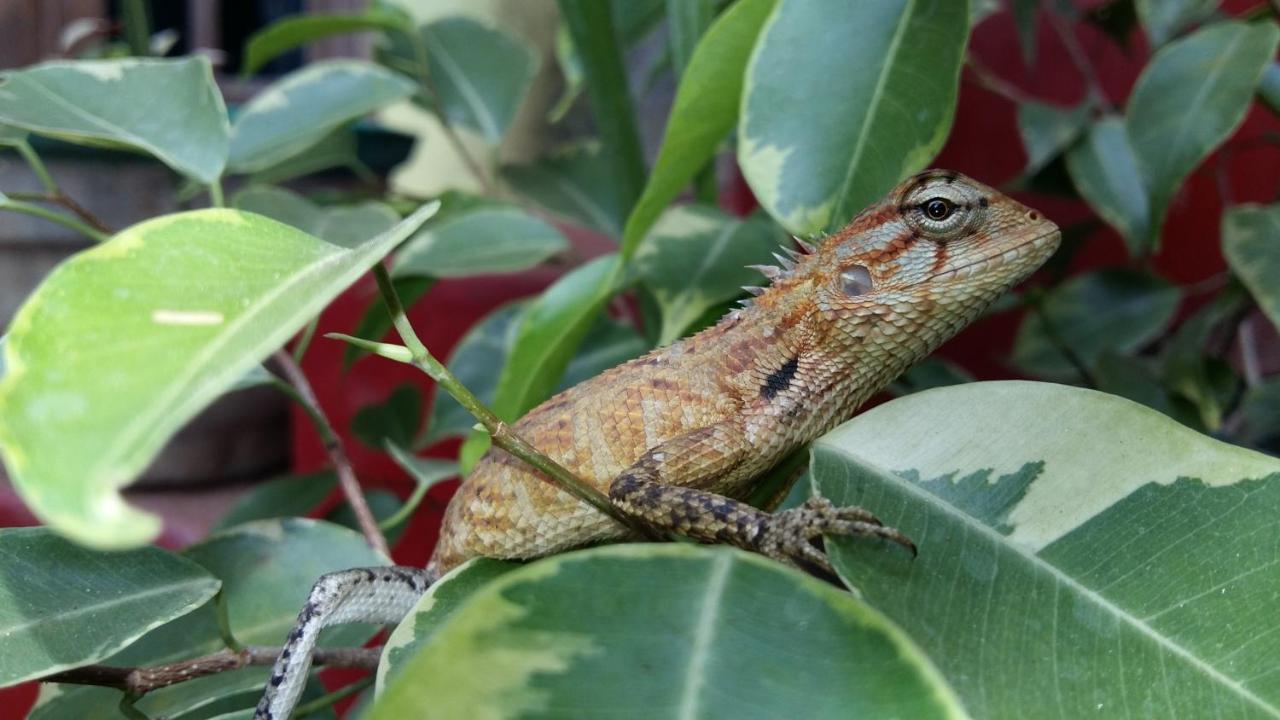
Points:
(779, 380)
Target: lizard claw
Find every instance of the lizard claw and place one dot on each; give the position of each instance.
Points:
(789, 535)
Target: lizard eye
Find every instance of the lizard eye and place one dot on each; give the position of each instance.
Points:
(938, 209)
(855, 281)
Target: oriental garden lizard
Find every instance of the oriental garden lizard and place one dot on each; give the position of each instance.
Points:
(678, 437)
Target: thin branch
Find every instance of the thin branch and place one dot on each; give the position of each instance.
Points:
(306, 397)
(37, 166)
(58, 197)
(503, 436)
(139, 681)
(1081, 61)
(27, 208)
(989, 80)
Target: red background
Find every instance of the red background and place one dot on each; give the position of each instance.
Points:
(984, 143)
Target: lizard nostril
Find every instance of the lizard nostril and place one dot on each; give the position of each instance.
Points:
(1033, 216)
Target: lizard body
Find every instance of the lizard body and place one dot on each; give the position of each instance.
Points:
(677, 437)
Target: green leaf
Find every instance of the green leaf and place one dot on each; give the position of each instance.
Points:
(267, 569)
(288, 496)
(687, 20)
(396, 420)
(1105, 170)
(608, 344)
(120, 364)
(549, 333)
(345, 225)
(62, 606)
(441, 601)
(1191, 97)
(1048, 130)
(888, 99)
(1260, 409)
(1114, 309)
(383, 505)
(1269, 87)
(1164, 19)
(930, 373)
(426, 474)
(1133, 378)
(704, 111)
(695, 258)
(302, 108)
(1024, 16)
(480, 74)
(169, 108)
(683, 631)
(591, 27)
(1079, 554)
(295, 31)
(484, 240)
(574, 184)
(477, 362)
(1251, 243)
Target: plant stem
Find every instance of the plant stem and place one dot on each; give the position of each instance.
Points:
(142, 680)
(299, 388)
(989, 80)
(326, 700)
(61, 198)
(37, 166)
(1081, 61)
(215, 194)
(503, 436)
(27, 208)
(137, 27)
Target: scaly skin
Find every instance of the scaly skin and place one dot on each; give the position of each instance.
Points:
(717, 410)
(675, 436)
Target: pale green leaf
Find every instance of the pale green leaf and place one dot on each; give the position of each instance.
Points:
(169, 108)
(480, 241)
(480, 74)
(295, 31)
(573, 184)
(683, 632)
(1106, 173)
(1164, 19)
(302, 108)
(438, 604)
(267, 569)
(1251, 244)
(1189, 99)
(120, 364)
(1048, 130)
(1115, 309)
(887, 74)
(695, 258)
(345, 225)
(704, 112)
(1079, 555)
(63, 606)
(288, 496)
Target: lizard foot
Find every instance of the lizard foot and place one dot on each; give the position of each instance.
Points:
(789, 535)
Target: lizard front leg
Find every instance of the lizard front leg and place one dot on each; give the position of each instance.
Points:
(648, 491)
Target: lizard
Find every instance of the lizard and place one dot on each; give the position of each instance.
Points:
(676, 438)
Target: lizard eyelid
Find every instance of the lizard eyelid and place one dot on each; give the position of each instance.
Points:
(855, 281)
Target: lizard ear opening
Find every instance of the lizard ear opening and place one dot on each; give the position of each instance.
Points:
(855, 281)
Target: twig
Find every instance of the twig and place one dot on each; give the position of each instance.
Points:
(306, 397)
(1081, 61)
(27, 208)
(502, 434)
(139, 681)
(989, 80)
(58, 197)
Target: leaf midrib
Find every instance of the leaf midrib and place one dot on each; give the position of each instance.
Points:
(1002, 541)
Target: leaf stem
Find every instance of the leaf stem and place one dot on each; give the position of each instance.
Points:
(984, 76)
(27, 208)
(299, 388)
(139, 681)
(215, 194)
(1081, 61)
(503, 436)
(37, 166)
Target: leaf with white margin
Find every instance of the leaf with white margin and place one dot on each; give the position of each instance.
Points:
(63, 606)
(887, 73)
(1080, 554)
(267, 569)
(437, 605)
(128, 340)
(169, 108)
(665, 630)
(301, 108)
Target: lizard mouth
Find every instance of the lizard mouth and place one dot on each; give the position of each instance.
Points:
(1012, 255)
